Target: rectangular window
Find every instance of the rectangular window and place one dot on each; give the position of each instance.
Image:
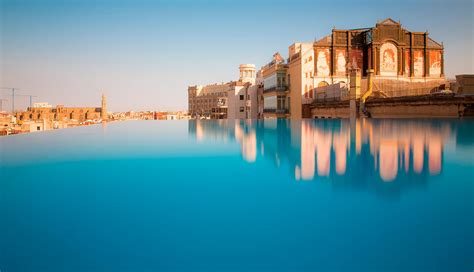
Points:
(281, 102)
(241, 109)
(241, 97)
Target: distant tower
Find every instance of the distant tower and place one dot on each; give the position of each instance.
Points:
(247, 73)
(103, 110)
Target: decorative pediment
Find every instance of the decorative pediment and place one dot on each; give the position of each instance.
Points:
(388, 21)
(388, 29)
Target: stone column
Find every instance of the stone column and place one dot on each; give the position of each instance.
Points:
(354, 92)
(376, 60)
(400, 61)
(412, 61)
(442, 63)
(426, 56)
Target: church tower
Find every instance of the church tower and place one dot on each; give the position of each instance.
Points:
(103, 110)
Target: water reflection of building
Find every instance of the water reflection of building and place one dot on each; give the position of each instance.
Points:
(337, 149)
(394, 146)
(241, 131)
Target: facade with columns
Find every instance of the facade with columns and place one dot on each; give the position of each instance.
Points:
(393, 52)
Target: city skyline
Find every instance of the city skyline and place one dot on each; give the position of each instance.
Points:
(144, 55)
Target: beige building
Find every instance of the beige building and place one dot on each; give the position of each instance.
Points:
(230, 100)
(43, 111)
(300, 77)
(242, 95)
(276, 99)
(208, 101)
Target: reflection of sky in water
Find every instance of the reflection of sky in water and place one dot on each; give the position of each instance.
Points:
(315, 195)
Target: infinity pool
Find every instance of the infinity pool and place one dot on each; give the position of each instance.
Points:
(316, 195)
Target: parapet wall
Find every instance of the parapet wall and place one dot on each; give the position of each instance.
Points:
(427, 106)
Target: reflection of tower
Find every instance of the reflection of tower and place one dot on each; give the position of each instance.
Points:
(103, 111)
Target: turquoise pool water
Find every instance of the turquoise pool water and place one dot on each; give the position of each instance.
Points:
(317, 195)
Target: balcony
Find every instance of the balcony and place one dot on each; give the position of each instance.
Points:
(281, 89)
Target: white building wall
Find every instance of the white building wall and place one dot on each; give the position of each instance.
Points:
(233, 110)
(249, 103)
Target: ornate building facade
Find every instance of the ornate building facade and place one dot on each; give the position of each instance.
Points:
(393, 52)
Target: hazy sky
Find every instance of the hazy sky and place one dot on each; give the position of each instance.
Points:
(144, 54)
